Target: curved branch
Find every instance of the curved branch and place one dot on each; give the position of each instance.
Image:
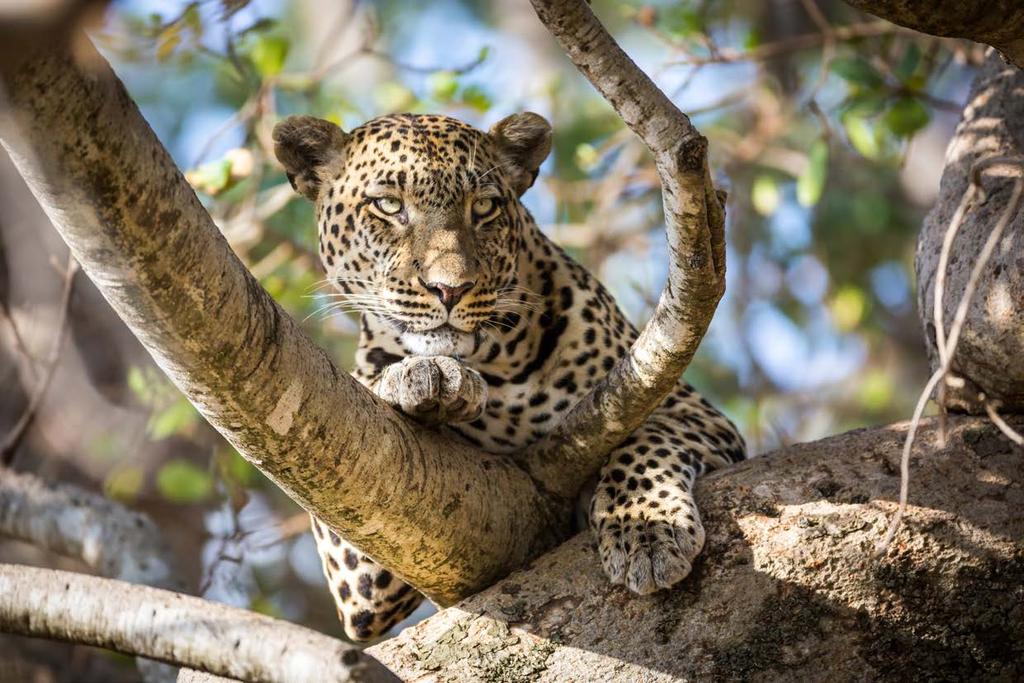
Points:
(174, 628)
(695, 226)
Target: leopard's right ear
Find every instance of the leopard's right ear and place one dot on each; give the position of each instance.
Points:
(308, 148)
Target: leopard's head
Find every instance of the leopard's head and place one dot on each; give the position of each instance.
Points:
(419, 217)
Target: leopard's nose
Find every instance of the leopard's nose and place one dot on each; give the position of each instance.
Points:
(448, 294)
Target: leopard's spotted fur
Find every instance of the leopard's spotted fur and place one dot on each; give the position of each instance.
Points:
(474, 318)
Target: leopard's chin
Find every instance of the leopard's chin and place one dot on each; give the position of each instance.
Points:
(443, 340)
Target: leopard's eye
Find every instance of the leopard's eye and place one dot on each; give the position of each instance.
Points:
(388, 205)
(483, 207)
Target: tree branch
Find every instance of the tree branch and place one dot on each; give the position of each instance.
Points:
(786, 588)
(456, 518)
(999, 23)
(10, 443)
(174, 628)
(695, 226)
(111, 539)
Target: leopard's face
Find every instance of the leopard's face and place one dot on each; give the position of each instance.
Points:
(421, 226)
(432, 227)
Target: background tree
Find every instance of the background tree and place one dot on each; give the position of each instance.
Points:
(815, 139)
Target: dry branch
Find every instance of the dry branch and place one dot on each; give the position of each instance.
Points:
(174, 628)
(10, 443)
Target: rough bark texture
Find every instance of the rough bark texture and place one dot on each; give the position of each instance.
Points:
(992, 342)
(999, 23)
(174, 628)
(787, 588)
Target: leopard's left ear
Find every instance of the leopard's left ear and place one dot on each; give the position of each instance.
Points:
(525, 141)
(308, 148)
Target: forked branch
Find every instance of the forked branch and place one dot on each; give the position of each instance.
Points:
(695, 226)
(456, 518)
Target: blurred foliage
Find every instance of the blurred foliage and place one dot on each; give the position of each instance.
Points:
(820, 136)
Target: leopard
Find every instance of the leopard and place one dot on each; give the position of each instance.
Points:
(472, 320)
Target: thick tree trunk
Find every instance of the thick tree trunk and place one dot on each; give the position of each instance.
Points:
(984, 161)
(788, 587)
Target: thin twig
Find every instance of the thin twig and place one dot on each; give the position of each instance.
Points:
(19, 341)
(17, 433)
(998, 421)
(940, 292)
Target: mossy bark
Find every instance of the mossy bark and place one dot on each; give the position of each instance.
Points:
(788, 587)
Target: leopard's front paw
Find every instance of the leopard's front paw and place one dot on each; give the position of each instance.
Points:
(434, 389)
(645, 548)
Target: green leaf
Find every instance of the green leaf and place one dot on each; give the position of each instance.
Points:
(211, 177)
(474, 96)
(239, 469)
(752, 39)
(124, 483)
(848, 307)
(862, 137)
(681, 21)
(171, 420)
(443, 85)
(138, 384)
(268, 54)
(908, 63)
(875, 391)
(391, 96)
(906, 116)
(864, 104)
(179, 481)
(167, 42)
(586, 156)
(857, 71)
(764, 195)
(811, 182)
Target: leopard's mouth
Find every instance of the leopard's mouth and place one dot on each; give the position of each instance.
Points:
(443, 340)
